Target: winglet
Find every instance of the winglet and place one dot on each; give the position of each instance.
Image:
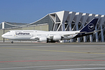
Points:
(90, 27)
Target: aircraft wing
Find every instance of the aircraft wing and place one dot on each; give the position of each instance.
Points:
(34, 38)
(68, 34)
(97, 30)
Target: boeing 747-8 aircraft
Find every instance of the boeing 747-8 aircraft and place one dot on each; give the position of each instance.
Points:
(46, 36)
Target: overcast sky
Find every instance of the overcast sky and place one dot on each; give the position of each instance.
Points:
(27, 11)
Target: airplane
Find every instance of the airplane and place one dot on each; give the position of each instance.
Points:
(50, 36)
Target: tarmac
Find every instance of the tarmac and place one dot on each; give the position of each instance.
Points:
(52, 56)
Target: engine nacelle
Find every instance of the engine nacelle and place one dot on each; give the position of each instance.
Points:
(43, 39)
(56, 37)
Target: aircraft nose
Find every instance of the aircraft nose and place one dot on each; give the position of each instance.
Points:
(3, 36)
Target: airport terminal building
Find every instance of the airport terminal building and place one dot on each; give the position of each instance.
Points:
(61, 21)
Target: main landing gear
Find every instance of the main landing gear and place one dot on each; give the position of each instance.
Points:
(12, 42)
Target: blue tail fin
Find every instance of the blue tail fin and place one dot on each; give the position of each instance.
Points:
(90, 27)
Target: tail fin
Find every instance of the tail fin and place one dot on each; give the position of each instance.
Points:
(90, 27)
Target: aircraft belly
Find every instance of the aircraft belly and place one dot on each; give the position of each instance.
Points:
(68, 37)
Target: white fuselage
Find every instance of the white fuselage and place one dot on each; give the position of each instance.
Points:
(36, 34)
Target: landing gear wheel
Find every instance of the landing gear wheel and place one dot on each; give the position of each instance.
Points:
(11, 41)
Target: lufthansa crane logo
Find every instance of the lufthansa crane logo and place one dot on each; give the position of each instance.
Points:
(91, 26)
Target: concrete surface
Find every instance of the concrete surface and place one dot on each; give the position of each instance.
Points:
(52, 56)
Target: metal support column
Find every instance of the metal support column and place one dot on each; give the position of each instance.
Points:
(91, 38)
(3, 26)
(70, 28)
(3, 33)
(96, 34)
(102, 37)
(63, 27)
(78, 39)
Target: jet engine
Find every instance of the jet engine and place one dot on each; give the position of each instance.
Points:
(56, 37)
(43, 39)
